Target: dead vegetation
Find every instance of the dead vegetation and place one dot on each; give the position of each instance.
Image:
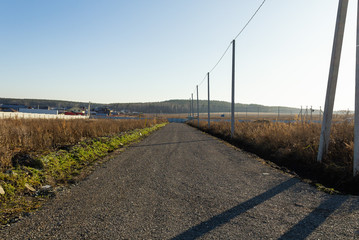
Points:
(295, 146)
(22, 136)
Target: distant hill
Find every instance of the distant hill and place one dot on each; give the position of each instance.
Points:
(170, 106)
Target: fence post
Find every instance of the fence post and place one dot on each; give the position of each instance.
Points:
(332, 80)
(197, 106)
(233, 77)
(311, 113)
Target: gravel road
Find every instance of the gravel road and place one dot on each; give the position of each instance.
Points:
(180, 183)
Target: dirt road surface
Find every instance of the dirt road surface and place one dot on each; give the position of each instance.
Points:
(180, 183)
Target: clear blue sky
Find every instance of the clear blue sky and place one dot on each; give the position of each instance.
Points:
(136, 51)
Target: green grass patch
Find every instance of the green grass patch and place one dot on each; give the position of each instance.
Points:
(22, 184)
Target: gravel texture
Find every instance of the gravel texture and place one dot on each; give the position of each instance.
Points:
(180, 183)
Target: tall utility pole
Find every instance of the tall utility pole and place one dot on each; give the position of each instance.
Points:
(233, 76)
(89, 110)
(356, 113)
(192, 106)
(197, 106)
(332, 80)
(209, 109)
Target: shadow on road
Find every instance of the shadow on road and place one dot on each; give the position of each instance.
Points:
(308, 224)
(170, 143)
(218, 220)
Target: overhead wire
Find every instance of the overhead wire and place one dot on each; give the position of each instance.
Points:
(221, 57)
(245, 26)
(255, 13)
(202, 80)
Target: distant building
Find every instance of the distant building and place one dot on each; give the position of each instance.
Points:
(11, 107)
(38, 111)
(103, 111)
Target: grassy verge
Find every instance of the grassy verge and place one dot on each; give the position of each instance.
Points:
(21, 136)
(294, 147)
(26, 187)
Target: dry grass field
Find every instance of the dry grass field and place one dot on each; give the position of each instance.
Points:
(295, 146)
(35, 153)
(21, 136)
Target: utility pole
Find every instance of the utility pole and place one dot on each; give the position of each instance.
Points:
(192, 106)
(332, 80)
(197, 106)
(233, 77)
(356, 112)
(301, 114)
(89, 110)
(209, 109)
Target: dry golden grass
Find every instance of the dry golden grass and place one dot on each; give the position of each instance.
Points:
(40, 135)
(295, 146)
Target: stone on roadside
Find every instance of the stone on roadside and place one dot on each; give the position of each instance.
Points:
(2, 191)
(46, 188)
(29, 187)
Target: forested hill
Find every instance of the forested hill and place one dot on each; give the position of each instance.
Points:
(171, 106)
(183, 106)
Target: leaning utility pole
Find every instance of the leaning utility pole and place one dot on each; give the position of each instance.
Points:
(233, 76)
(356, 113)
(332, 80)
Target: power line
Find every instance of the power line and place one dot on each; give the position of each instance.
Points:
(221, 57)
(255, 13)
(245, 26)
(202, 80)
